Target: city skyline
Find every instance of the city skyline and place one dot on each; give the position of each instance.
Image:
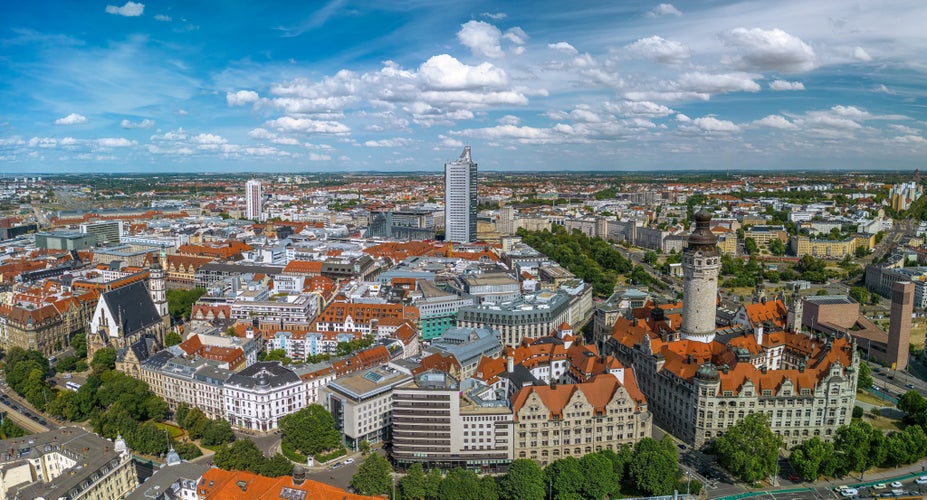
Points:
(343, 86)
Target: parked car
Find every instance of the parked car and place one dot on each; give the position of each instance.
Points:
(909, 386)
(896, 484)
(921, 480)
(337, 466)
(879, 486)
(349, 461)
(849, 492)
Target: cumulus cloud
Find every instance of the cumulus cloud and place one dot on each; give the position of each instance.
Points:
(481, 38)
(770, 50)
(71, 119)
(563, 47)
(450, 142)
(516, 35)
(639, 108)
(775, 121)
(130, 9)
(396, 142)
(208, 139)
(241, 97)
(306, 125)
(861, 54)
(664, 9)
(712, 124)
(115, 142)
(910, 139)
(659, 49)
(146, 123)
(447, 73)
(162, 17)
(510, 120)
(786, 85)
(709, 83)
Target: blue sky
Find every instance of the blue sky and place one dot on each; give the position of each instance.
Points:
(403, 85)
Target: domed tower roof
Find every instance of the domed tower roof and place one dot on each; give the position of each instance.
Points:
(173, 458)
(707, 373)
(702, 239)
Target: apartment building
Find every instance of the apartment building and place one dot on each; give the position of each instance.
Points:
(257, 397)
(533, 316)
(361, 403)
(342, 316)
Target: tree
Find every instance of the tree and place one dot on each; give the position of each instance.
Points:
(597, 471)
(750, 246)
(277, 466)
(276, 355)
(861, 295)
(364, 447)
(217, 432)
(565, 477)
(180, 302)
(187, 451)
(864, 378)
(911, 403)
(412, 485)
(79, 344)
(240, 455)
(851, 443)
(310, 430)
(460, 484)
(180, 414)
(489, 488)
(810, 458)
(373, 477)
(148, 439)
(878, 448)
(104, 359)
(776, 247)
(172, 338)
(195, 423)
(749, 448)
(654, 467)
(650, 257)
(857, 412)
(433, 483)
(525, 480)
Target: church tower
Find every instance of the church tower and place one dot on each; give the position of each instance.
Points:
(157, 289)
(796, 310)
(701, 262)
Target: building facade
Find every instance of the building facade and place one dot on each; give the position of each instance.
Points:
(460, 199)
(254, 200)
(257, 397)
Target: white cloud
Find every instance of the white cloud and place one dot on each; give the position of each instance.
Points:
(146, 123)
(910, 139)
(683, 118)
(523, 134)
(770, 50)
(495, 16)
(664, 9)
(171, 135)
(162, 17)
(481, 38)
(708, 83)
(563, 47)
(509, 120)
(241, 97)
(306, 125)
(516, 35)
(71, 119)
(450, 142)
(115, 142)
(396, 142)
(861, 54)
(208, 139)
(447, 73)
(130, 9)
(775, 121)
(904, 129)
(712, 124)
(638, 108)
(660, 50)
(786, 85)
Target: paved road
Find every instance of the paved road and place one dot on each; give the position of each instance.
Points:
(21, 418)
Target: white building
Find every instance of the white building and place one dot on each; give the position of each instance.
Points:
(460, 199)
(255, 200)
(258, 396)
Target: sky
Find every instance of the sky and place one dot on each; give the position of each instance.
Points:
(404, 85)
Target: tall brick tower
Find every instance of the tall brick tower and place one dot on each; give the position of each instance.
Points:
(701, 262)
(899, 330)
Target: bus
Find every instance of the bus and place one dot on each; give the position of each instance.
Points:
(72, 385)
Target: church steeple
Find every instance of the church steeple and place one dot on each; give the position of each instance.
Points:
(157, 287)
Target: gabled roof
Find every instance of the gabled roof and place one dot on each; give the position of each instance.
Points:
(132, 305)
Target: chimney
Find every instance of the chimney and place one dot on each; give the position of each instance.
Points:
(758, 334)
(510, 364)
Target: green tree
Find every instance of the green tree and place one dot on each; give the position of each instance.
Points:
(217, 432)
(878, 448)
(180, 414)
(650, 257)
(79, 344)
(104, 359)
(195, 423)
(864, 378)
(187, 451)
(776, 247)
(310, 430)
(243, 454)
(66, 364)
(861, 295)
(433, 484)
(654, 467)
(172, 338)
(148, 439)
(412, 485)
(598, 477)
(810, 458)
(275, 355)
(9, 430)
(851, 443)
(276, 466)
(911, 403)
(180, 302)
(373, 477)
(489, 488)
(460, 484)
(524, 481)
(364, 447)
(565, 477)
(749, 448)
(750, 246)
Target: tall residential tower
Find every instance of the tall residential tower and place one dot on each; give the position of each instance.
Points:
(460, 199)
(255, 200)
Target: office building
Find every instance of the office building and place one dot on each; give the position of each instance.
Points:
(460, 201)
(254, 198)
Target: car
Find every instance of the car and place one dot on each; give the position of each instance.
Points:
(897, 484)
(921, 480)
(349, 461)
(879, 486)
(66, 376)
(909, 386)
(794, 477)
(337, 466)
(897, 492)
(849, 492)
(876, 388)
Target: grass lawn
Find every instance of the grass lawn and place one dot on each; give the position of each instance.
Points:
(867, 397)
(884, 423)
(173, 430)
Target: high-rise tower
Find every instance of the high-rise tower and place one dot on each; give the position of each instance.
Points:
(255, 201)
(157, 288)
(899, 328)
(460, 199)
(701, 261)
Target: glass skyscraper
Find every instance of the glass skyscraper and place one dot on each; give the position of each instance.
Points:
(460, 199)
